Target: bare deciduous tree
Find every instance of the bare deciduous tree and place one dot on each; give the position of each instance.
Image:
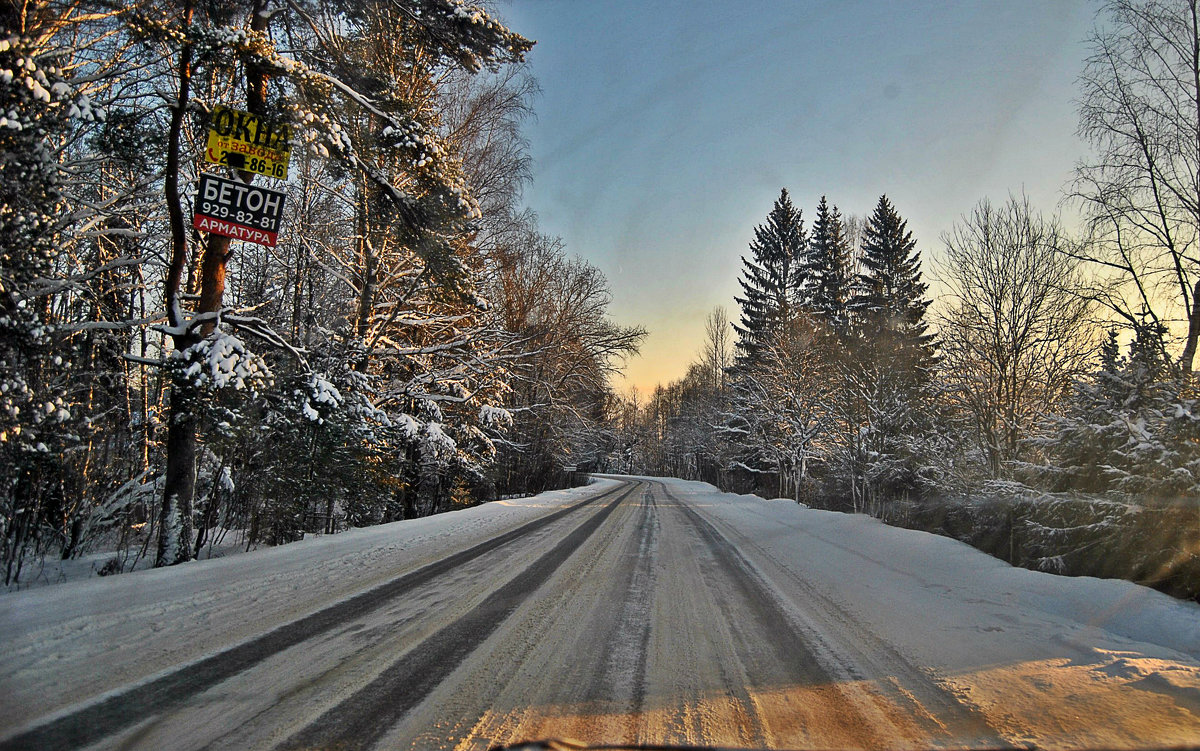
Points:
(1140, 109)
(1016, 331)
(717, 356)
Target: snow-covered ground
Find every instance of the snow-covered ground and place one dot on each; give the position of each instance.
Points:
(1049, 660)
(663, 612)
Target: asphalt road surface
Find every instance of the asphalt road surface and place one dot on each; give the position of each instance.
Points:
(632, 616)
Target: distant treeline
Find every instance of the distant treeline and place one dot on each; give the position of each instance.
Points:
(1045, 408)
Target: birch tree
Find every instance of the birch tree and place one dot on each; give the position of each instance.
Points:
(1140, 110)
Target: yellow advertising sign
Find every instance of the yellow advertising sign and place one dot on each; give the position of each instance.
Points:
(247, 142)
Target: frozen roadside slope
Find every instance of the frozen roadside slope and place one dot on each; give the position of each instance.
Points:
(72, 642)
(1043, 657)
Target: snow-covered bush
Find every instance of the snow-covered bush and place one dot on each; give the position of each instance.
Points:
(221, 362)
(1132, 428)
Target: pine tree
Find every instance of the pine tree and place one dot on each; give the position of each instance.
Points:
(348, 107)
(773, 280)
(889, 303)
(830, 267)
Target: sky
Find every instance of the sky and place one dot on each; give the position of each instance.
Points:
(665, 131)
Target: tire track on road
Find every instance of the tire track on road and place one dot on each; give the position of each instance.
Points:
(957, 722)
(116, 712)
(576, 648)
(368, 714)
(627, 637)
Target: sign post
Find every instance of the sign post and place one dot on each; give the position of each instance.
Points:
(238, 210)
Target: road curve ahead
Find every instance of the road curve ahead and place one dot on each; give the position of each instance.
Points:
(631, 616)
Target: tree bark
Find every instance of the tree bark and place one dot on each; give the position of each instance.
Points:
(180, 477)
(175, 521)
(212, 278)
(175, 530)
(366, 297)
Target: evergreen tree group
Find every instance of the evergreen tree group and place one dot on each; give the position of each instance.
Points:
(832, 367)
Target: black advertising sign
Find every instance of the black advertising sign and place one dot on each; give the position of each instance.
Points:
(238, 210)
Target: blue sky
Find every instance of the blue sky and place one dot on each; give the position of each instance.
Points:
(666, 129)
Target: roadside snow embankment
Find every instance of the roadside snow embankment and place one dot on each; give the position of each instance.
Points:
(1044, 657)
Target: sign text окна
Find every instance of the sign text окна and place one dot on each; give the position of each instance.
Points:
(243, 141)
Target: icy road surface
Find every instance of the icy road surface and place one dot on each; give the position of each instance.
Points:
(635, 610)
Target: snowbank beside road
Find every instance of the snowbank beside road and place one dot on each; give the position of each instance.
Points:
(913, 571)
(1044, 657)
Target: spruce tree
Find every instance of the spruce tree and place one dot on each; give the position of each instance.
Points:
(829, 267)
(887, 403)
(1110, 353)
(1108, 378)
(1093, 426)
(1148, 368)
(773, 279)
(889, 303)
(1129, 428)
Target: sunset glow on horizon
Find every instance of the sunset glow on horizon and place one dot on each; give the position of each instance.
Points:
(665, 131)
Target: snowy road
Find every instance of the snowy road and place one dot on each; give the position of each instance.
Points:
(637, 610)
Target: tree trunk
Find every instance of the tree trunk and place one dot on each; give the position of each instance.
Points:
(180, 481)
(175, 531)
(175, 539)
(366, 253)
(1193, 333)
(212, 277)
(175, 519)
